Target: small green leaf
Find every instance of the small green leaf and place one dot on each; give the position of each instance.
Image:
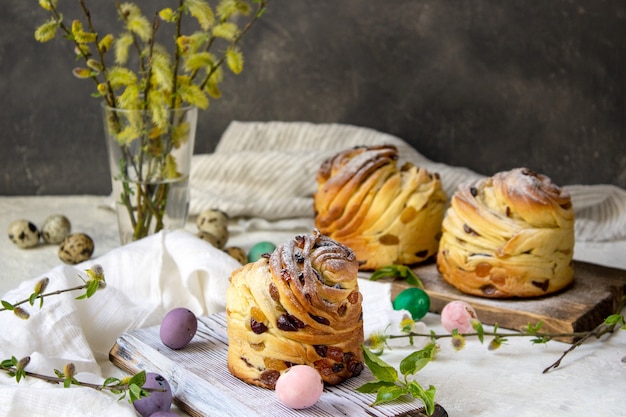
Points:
(373, 386)
(32, 298)
(110, 381)
(398, 271)
(92, 287)
(417, 360)
(534, 329)
(380, 369)
(388, 394)
(138, 379)
(478, 326)
(8, 363)
(426, 396)
(19, 374)
(7, 305)
(614, 319)
(135, 393)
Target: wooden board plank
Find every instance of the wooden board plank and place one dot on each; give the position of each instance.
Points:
(592, 297)
(202, 385)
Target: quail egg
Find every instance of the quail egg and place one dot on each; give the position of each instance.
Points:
(76, 248)
(237, 253)
(214, 222)
(211, 216)
(23, 233)
(55, 228)
(211, 238)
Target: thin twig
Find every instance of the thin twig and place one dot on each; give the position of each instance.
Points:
(57, 292)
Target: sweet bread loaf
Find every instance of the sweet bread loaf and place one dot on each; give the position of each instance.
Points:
(385, 214)
(299, 306)
(510, 235)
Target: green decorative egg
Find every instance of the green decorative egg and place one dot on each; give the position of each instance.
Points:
(415, 300)
(256, 252)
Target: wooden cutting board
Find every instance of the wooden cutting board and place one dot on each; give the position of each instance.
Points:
(203, 386)
(593, 296)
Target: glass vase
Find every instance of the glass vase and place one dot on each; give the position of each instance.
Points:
(150, 155)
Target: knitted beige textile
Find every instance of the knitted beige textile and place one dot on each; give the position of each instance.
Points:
(267, 170)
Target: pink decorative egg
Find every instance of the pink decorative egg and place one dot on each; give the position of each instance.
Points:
(300, 386)
(458, 315)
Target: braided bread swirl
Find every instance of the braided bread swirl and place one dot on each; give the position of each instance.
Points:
(384, 214)
(511, 235)
(300, 305)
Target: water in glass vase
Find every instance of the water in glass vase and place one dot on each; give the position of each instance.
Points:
(151, 207)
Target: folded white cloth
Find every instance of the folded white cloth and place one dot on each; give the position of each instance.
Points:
(268, 170)
(145, 279)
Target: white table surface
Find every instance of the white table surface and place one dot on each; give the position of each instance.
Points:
(472, 382)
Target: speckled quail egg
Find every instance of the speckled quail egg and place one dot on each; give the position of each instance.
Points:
(76, 248)
(237, 253)
(55, 228)
(212, 239)
(214, 222)
(211, 216)
(23, 233)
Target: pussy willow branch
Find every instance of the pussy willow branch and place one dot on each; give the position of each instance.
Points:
(110, 96)
(57, 292)
(257, 15)
(97, 387)
(599, 331)
(57, 380)
(580, 337)
(177, 53)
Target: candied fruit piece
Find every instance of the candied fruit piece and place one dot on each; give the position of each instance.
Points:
(257, 346)
(273, 363)
(257, 314)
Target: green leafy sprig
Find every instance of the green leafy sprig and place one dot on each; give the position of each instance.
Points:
(609, 325)
(130, 386)
(388, 386)
(399, 272)
(94, 281)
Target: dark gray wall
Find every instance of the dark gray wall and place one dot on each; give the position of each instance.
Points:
(490, 85)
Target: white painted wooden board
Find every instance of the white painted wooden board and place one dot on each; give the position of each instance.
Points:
(203, 386)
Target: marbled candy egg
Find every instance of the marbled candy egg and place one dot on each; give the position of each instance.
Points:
(23, 233)
(415, 300)
(237, 253)
(259, 249)
(76, 248)
(178, 327)
(459, 315)
(55, 228)
(300, 386)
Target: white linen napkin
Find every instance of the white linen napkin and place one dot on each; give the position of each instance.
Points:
(145, 279)
(268, 170)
